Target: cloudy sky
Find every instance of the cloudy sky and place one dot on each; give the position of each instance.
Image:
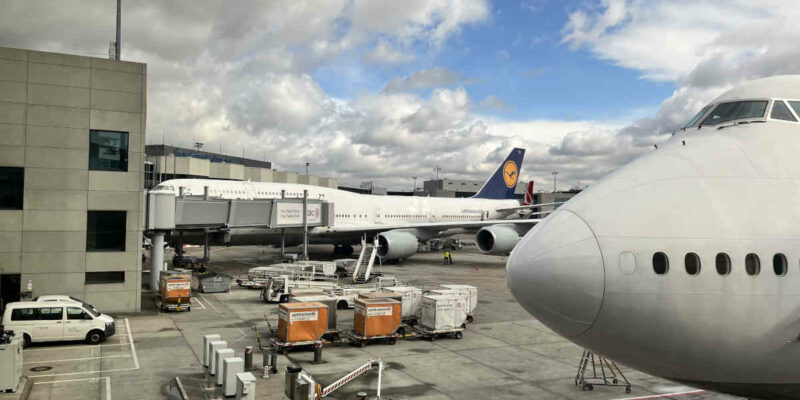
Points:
(387, 90)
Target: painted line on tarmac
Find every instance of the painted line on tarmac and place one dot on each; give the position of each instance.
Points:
(102, 378)
(133, 346)
(658, 396)
(199, 302)
(76, 347)
(208, 302)
(77, 359)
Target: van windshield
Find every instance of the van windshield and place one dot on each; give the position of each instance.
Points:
(90, 309)
(732, 111)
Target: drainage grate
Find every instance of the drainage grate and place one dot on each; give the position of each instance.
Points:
(41, 368)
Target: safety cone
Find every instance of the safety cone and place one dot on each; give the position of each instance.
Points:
(476, 268)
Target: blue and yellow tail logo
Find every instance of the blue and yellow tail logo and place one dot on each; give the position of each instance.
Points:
(510, 174)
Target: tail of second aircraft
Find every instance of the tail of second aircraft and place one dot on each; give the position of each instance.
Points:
(528, 200)
(503, 182)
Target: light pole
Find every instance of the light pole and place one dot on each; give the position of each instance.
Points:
(307, 164)
(437, 169)
(555, 174)
(197, 147)
(415, 184)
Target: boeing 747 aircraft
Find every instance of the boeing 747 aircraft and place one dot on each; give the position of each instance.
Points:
(399, 222)
(684, 262)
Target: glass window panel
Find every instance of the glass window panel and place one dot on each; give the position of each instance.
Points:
(51, 314)
(77, 313)
(108, 151)
(105, 231)
(696, 117)
(780, 111)
(726, 112)
(11, 188)
(795, 106)
(23, 314)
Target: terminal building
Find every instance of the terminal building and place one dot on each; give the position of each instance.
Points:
(71, 177)
(167, 162)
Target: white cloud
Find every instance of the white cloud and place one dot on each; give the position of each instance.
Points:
(385, 53)
(425, 79)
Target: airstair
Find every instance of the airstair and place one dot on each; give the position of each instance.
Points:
(609, 373)
(366, 261)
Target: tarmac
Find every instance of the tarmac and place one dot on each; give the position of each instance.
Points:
(504, 353)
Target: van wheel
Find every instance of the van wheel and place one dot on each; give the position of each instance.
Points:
(26, 341)
(95, 337)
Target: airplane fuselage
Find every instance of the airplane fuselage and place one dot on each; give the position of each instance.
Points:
(683, 263)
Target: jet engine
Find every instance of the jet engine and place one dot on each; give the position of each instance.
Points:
(497, 239)
(396, 245)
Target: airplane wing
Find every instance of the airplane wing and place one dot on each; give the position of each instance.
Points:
(437, 226)
(527, 207)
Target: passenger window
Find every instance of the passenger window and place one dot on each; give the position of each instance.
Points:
(23, 314)
(723, 264)
(74, 313)
(752, 264)
(51, 314)
(780, 111)
(660, 263)
(726, 112)
(692, 263)
(779, 264)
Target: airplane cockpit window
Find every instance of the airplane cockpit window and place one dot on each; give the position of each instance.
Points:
(697, 117)
(781, 111)
(795, 106)
(735, 110)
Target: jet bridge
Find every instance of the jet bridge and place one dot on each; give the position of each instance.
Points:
(168, 213)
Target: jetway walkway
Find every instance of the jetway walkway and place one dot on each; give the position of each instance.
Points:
(168, 213)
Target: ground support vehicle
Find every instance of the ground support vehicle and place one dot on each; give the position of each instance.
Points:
(362, 341)
(432, 334)
(285, 347)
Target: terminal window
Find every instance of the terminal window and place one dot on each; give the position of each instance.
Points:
(108, 151)
(105, 277)
(105, 231)
(11, 185)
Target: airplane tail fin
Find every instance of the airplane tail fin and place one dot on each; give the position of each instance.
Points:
(503, 182)
(528, 200)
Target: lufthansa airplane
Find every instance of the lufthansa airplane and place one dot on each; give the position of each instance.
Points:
(684, 263)
(399, 222)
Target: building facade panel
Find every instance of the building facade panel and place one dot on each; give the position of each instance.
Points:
(53, 157)
(45, 199)
(10, 263)
(58, 59)
(13, 92)
(111, 260)
(12, 135)
(114, 200)
(12, 70)
(110, 100)
(65, 117)
(51, 136)
(54, 262)
(12, 156)
(13, 54)
(10, 241)
(49, 178)
(58, 75)
(55, 95)
(55, 282)
(115, 121)
(12, 113)
(116, 81)
(55, 221)
(11, 220)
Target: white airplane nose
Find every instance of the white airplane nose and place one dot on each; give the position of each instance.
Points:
(556, 273)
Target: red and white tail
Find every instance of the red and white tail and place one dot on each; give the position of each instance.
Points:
(528, 200)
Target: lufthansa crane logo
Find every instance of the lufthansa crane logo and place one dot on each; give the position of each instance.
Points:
(510, 173)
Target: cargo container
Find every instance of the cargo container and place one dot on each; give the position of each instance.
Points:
(464, 294)
(377, 317)
(323, 298)
(300, 322)
(214, 283)
(382, 294)
(473, 294)
(175, 291)
(442, 312)
(412, 297)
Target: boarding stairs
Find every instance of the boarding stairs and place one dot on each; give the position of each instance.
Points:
(363, 269)
(609, 373)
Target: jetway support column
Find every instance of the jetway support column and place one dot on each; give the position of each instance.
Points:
(156, 259)
(305, 224)
(283, 232)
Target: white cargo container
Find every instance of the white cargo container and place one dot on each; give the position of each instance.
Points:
(412, 298)
(471, 291)
(443, 312)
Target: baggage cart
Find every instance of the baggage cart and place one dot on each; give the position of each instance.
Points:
(432, 334)
(362, 340)
(284, 347)
(175, 293)
(214, 283)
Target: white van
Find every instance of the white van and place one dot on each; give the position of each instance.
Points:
(46, 321)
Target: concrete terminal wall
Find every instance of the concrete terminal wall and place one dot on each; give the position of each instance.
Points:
(49, 102)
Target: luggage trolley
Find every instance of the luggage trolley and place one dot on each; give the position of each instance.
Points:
(610, 373)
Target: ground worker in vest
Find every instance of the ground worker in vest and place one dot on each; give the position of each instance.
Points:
(446, 257)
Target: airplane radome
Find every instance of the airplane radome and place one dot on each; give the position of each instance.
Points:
(685, 263)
